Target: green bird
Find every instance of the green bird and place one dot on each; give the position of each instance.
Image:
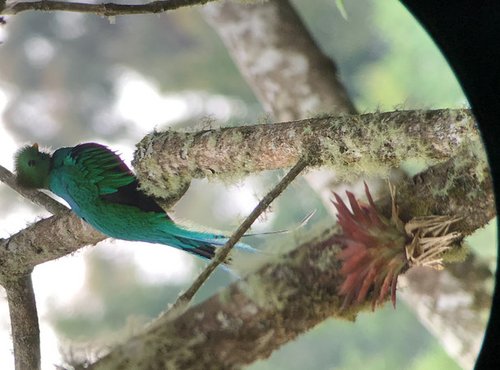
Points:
(102, 190)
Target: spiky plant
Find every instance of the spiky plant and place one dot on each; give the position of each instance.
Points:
(376, 249)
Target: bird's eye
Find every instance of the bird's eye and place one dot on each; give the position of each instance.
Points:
(31, 162)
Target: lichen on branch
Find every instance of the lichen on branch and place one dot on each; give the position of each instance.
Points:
(247, 321)
(352, 145)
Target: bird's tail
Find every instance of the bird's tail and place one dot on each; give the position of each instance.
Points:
(198, 243)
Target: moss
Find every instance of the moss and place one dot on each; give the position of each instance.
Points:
(269, 293)
(154, 178)
(236, 137)
(169, 185)
(456, 254)
(265, 119)
(481, 168)
(211, 143)
(328, 259)
(307, 130)
(357, 152)
(469, 165)
(231, 178)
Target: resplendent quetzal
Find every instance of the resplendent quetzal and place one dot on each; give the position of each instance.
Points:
(102, 190)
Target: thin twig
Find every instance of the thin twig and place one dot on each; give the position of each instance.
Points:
(35, 196)
(105, 9)
(221, 255)
(24, 322)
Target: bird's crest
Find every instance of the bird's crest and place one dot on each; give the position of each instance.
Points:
(32, 167)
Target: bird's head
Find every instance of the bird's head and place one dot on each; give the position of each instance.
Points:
(32, 167)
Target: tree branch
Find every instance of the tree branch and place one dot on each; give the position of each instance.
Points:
(352, 145)
(45, 240)
(279, 58)
(57, 236)
(460, 186)
(104, 9)
(246, 321)
(24, 322)
(250, 319)
(287, 70)
(35, 196)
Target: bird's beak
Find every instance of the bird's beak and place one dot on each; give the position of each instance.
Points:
(35, 146)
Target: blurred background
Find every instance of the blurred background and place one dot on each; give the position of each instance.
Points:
(68, 78)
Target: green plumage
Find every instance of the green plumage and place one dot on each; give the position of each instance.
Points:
(102, 190)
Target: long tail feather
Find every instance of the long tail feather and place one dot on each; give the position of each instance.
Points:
(198, 243)
(301, 224)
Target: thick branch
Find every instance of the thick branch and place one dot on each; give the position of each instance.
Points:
(461, 186)
(104, 9)
(351, 145)
(43, 241)
(452, 304)
(246, 321)
(24, 322)
(279, 59)
(60, 235)
(473, 186)
(285, 298)
(292, 79)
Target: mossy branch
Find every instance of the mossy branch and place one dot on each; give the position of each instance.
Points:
(103, 9)
(43, 241)
(246, 321)
(461, 186)
(282, 34)
(284, 298)
(352, 145)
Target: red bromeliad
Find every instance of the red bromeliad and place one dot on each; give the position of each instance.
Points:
(376, 250)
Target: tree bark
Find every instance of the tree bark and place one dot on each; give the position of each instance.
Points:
(279, 58)
(247, 321)
(351, 145)
(266, 40)
(24, 322)
(311, 89)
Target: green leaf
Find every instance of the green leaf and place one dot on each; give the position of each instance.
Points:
(341, 8)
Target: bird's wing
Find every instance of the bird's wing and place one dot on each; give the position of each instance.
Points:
(113, 179)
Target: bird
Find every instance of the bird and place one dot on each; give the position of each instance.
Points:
(102, 190)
